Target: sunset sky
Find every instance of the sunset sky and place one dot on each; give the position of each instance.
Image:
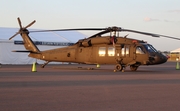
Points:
(155, 16)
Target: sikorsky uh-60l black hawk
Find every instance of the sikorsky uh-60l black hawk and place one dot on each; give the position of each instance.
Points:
(98, 49)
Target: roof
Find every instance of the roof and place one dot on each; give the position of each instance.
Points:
(176, 50)
(58, 36)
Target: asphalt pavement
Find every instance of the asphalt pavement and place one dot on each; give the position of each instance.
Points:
(79, 87)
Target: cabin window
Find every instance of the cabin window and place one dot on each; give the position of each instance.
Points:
(111, 51)
(139, 50)
(102, 51)
(127, 50)
(122, 51)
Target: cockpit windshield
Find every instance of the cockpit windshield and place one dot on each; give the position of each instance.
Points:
(150, 48)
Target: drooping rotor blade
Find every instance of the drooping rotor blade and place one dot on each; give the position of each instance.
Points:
(149, 34)
(139, 32)
(93, 29)
(30, 24)
(14, 35)
(170, 37)
(19, 21)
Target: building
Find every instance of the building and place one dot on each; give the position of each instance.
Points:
(43, 40)
(175, 54)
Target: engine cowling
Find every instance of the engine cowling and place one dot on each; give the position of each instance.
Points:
(95, 41)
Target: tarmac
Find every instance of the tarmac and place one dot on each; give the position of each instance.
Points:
(79, 87)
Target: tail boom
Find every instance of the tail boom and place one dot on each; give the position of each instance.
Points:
(28, 43)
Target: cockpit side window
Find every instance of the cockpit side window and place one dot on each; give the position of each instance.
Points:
(139, 50)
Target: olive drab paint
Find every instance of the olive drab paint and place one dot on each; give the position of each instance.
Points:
(99, 49)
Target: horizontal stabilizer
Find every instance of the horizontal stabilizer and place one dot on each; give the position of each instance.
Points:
(26, 51)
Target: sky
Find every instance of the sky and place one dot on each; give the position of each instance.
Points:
(154, 16)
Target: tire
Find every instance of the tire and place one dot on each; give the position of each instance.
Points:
(118, 67)
(133, 67)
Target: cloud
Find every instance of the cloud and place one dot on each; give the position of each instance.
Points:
(148, 19)
(174, 11)
(168, 20)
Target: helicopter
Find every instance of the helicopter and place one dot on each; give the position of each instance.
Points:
(98, 49)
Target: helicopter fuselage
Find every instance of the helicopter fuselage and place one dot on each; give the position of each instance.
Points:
(125, 51)
(98, 49)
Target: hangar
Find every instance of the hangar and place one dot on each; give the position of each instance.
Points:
(176, 51)
(43, 40)
(175, 54)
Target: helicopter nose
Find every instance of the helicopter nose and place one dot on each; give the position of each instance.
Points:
(158, 58)
(161, 59)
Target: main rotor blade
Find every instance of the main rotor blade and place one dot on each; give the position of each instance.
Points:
(169, 37)
(14, 35)
(149, 34)
(30, 24)
(144, 33)
(109, 29)
(19, 21)
(93, 29)
(99, 34)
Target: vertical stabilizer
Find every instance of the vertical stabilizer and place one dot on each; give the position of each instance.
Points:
(28, 43)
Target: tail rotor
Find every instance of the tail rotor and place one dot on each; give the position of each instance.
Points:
(22, 28)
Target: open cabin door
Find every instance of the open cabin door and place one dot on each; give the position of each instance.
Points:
(125, 53)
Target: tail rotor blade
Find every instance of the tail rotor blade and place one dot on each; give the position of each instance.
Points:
(30, 24)
(19, 21)
(14, 35)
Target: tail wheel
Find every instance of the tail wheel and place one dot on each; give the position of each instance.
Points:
(118, 67)
(133, 67)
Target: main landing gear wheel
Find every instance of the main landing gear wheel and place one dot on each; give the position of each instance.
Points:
(118, 67)
(133, 67)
